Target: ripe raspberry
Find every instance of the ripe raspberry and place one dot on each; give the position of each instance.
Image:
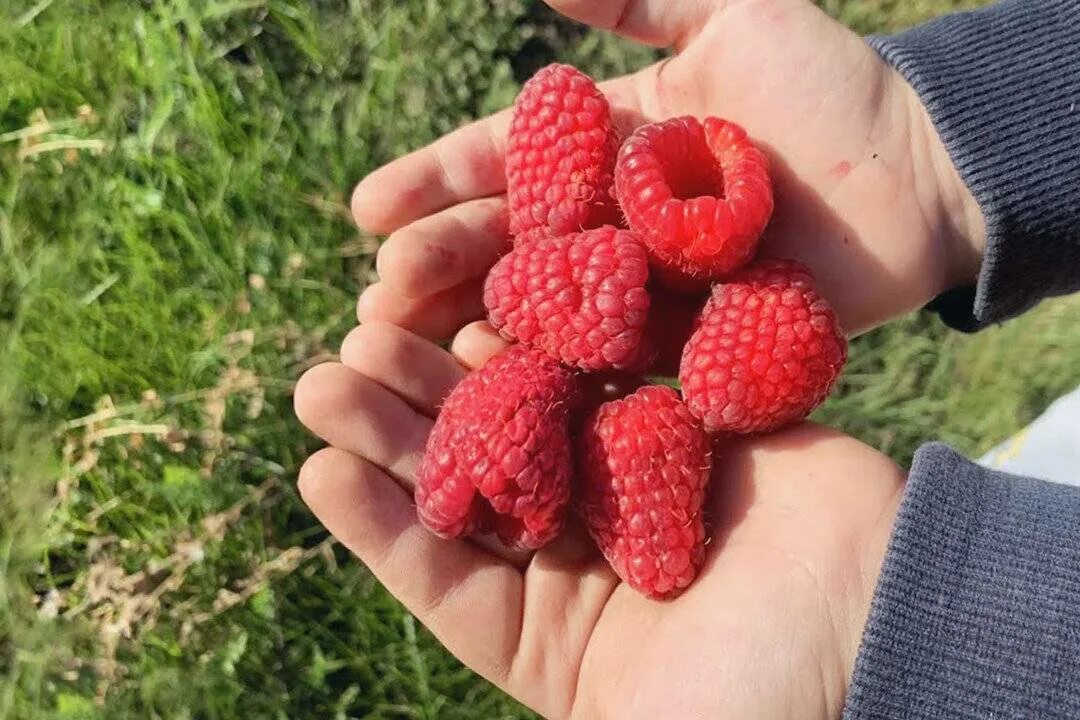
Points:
(580, 298)
(698, 195)
(645, 465)
(498, 457)
(560, 157)
(766, 351)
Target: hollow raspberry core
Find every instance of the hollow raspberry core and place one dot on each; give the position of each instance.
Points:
(697, 194)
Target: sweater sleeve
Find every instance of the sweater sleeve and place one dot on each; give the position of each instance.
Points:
(1002, 86)
(977, 610)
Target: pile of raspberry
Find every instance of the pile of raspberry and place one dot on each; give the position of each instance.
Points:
(612, 238)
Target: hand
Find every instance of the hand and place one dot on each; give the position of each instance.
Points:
(799, 523)
(866, 194)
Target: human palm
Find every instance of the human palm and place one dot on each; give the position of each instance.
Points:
(798, 526)
(799, 520)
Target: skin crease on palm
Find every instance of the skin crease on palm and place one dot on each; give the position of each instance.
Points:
(799, 520)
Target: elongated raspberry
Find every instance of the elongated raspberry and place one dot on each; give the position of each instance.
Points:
(766, 351)
(645, 463)
(580, 298)
(560, 156)
(698, 194)
(498, 457)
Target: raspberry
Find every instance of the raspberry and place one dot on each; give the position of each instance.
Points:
(580, 298)
(560, 157)
(698, 195)
(766, 351)
(498, 457)
(645, 465)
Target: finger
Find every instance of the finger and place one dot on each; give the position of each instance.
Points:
(359, 415)
(653, 22)
(464, 165)
(476, 343)
(567, 586)
(446, 249)
(467, 164)
(435, 317)
(468, 598)
(421, 373)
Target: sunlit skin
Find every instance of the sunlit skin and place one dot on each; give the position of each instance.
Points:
(799, 520)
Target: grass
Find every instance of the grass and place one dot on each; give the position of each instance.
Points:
(175, 250)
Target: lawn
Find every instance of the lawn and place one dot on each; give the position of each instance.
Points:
(175, 249)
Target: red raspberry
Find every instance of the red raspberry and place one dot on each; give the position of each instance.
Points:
(498, 457)
(560, 157)
(698, 195)
(766, 351)
(580, 298)
(645, 465)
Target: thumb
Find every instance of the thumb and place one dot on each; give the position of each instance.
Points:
(664, 23)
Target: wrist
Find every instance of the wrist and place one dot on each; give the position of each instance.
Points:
(870, 562)
(952, 212)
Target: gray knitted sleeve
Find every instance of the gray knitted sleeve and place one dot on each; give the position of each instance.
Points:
(977, 611)
(1002, 86)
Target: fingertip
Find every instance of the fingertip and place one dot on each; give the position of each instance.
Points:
(315, 469)
(366, 209)
(433, 317)
(313, 390)
(355, 500)
(476, 343)
(381, 303)
(400, 264)
(448, 248)
(465, 165)
(414, 264)
(368, 302)
(385, 260)
(360, 337)
(351, 346)
(418, 371)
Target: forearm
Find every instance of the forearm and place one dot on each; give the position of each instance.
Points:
(1002, 87)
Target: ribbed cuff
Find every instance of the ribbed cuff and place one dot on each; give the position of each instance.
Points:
(1002, 86)
(977, 611)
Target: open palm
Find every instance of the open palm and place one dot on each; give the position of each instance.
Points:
(798, 526)
(799, 520)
